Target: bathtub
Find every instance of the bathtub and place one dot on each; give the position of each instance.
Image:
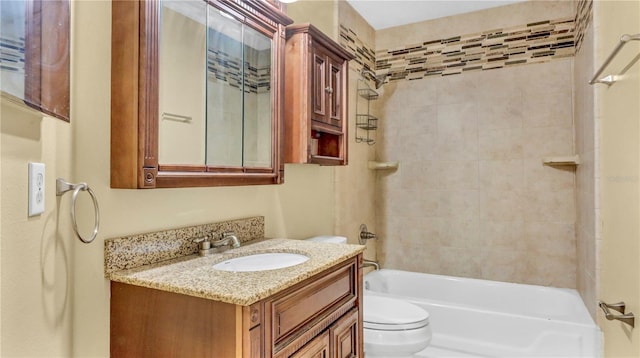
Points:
(480, 318)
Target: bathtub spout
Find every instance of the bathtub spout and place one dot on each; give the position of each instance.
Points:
(375, 264)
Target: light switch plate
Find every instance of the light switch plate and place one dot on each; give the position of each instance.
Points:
(36, 188)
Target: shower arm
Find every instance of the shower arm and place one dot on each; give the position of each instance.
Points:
(377, 79)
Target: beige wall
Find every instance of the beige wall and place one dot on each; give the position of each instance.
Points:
(55, 300)
(471, 197)
(321, 13)
(37, 257)
(587, 193)
(617, 115)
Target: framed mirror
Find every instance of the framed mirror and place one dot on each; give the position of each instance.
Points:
(196, 93)
(35, 53)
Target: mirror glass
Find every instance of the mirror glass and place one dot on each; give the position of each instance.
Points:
(257, 99)
(215, 89)
(183, 38)
(12, 36)
(34, 54)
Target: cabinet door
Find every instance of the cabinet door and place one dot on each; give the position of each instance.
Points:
(317, 348)
(345, 337)
(319, 85)
(334, 93)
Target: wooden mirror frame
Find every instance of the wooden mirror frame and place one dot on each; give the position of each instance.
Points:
(135, 99)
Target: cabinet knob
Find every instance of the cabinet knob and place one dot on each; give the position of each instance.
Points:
(328, 90)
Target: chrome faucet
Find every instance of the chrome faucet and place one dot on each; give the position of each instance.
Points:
(207, 247)
(228, 238)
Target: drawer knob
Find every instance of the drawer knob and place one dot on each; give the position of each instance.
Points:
(328, 90)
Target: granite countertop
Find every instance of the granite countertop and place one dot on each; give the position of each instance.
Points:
(194, 276)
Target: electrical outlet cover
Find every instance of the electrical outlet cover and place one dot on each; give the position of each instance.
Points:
(36, 188)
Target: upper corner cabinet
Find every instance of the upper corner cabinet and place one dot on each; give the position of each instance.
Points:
(316, 95)
(196, 93)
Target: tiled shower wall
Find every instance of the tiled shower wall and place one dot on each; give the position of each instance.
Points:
(587, 192)
(471, 197)
(355, 183)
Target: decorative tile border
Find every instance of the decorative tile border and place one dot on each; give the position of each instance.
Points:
(583, 19)
(531, 43)
(365, 55)
(137, 250)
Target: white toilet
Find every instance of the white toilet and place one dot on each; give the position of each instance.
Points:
(393, 328)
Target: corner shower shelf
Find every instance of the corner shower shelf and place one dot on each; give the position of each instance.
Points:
(373, 165)
(570, 160)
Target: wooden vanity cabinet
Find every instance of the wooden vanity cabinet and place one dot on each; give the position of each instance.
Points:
(316, 80)
(318, 317)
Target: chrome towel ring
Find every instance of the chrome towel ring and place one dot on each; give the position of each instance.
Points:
(62, 187)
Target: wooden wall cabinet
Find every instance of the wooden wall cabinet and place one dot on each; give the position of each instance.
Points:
(318, 317)
(316, 77)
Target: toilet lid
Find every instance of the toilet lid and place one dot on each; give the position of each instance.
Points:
(392, 314)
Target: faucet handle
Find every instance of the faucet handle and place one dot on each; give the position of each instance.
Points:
(204, 243)
(227, 233)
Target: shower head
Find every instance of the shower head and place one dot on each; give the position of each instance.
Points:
(377, 79)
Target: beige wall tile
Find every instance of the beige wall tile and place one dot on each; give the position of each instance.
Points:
(499, 205)
(549, 141)
(458, 175)
(500, 112)
(460, 204)
(501, 174)
(548, 109)
(505, 264)
(460, 232)
(552, 206)
(502, 144)
(457, 89)
(421, 174)
(503, 234)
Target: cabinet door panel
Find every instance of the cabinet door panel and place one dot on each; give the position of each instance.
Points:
(335, 95)
(319, 84)
(345, 336)
(317, 348)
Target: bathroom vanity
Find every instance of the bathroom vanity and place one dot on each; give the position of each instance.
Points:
(186, 308)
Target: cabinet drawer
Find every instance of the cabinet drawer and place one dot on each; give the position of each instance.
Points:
(310, 303)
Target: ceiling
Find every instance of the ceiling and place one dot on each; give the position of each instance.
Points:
(381, 14)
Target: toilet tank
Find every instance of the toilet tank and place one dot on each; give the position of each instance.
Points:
(329, 238)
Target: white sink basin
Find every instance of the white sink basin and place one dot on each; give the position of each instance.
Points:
(261, 262)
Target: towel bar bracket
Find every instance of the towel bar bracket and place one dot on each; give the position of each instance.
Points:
(627, 318)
